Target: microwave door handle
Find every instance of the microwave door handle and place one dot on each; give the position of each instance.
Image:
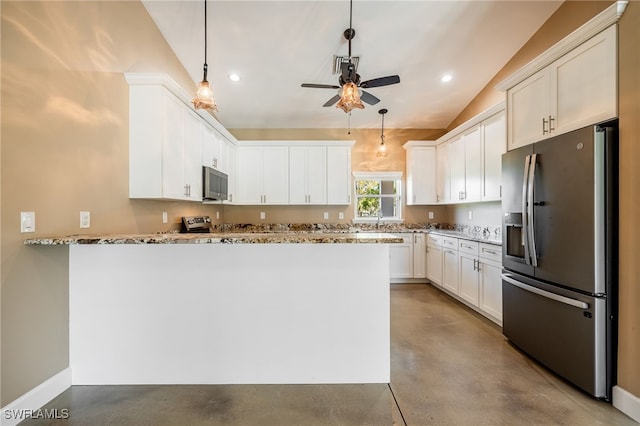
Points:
(525, 238)
(530, 216)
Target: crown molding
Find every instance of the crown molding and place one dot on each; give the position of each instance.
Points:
(595, 25)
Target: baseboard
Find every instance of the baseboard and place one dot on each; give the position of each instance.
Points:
(28, 404)
(626, 402)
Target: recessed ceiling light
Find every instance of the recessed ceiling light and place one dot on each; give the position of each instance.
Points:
(234, 77)
(446, 78)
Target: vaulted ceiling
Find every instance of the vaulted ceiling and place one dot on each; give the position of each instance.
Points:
(275, 46)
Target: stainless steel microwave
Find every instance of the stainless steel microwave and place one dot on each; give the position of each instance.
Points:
(215, 184)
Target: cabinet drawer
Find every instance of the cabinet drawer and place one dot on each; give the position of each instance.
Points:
(467, 246)
(491, 252)
(450, 243)
(434, 240)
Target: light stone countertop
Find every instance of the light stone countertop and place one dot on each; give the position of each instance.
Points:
(479, 237)
(224, 238)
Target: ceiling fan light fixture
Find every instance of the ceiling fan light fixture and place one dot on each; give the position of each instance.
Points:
(350, 97)
(204, 94)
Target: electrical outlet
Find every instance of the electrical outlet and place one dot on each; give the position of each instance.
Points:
(85, 219)
(470, 214)
(263, 215)
(217, 215)
(325, 215)
(341, 215)
(27, 222)
(165, 217)
(430, 215)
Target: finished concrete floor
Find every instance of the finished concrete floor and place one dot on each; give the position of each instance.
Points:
(449, 366)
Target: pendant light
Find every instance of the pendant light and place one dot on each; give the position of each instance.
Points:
(382, 148)
(350, 97)
(204, 94)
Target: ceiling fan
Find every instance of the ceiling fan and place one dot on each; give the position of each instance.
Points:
(349, 80)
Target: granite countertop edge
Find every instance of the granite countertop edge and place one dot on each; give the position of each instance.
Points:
(223, 238)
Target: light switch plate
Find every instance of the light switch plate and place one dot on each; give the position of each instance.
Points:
(325, 215)
(470, 214)
(217, 215)
(165, 217)
(27, 222)
(85, 219)
(263, 215)
(341, 215)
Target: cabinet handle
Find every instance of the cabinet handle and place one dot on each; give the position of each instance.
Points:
(551, 120)
(544, 129)
(490, 252)
(265, 199)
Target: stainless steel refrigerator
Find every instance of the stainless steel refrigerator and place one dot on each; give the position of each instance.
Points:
(559, 282)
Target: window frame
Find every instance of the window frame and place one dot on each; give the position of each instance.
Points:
(379, 176)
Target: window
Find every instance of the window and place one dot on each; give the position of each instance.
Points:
(378, 197)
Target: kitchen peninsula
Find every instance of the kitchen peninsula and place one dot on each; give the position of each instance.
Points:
(298, 307)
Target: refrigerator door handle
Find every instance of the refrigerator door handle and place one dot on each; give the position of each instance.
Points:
(530, 226)
(556, 297)
(525, 184)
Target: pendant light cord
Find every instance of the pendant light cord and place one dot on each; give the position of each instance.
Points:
(350, 25)
(205, 41)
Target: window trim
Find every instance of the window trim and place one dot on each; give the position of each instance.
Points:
(397, 176)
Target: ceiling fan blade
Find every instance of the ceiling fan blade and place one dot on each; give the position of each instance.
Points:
(368, 98)
(332, 101)
(320, 86)
(382, 81)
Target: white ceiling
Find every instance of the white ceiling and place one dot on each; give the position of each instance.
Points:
(277, 45)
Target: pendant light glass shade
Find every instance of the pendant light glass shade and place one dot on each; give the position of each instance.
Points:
(350, 97)
(204, 94)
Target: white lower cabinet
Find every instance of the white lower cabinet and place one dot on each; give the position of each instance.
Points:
(490, 265)
(469, 271)
(401, 258)
(434, 259)
(408, 259)
(450, 264)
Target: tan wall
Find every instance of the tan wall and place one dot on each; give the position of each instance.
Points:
(363, 158)
(567, 18)
(65, 149)
(629, 112)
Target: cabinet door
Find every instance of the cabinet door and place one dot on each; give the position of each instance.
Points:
(297, 175)
(456, 168)
(249, 182)
(527, 105)
(211, 147)
(473, 165)
(468, 276)
(192, 159)
(585, 84)
(338, 175)
(401, 258)
(173, 120)
(450, 270)
(275, 175)
(434, 265)
(419, 256)
(421, 175)
(316, 165)
(443, 187)
(491, 289)
(494, 143)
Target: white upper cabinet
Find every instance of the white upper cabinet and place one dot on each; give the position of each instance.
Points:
(421, 173)
(294, 172)
(307, 175)
(263, 175)
(169, 141)
(339, 174)
(494, 144)
(469, 159)
(164, 146)
(443, 182)
(577, 89)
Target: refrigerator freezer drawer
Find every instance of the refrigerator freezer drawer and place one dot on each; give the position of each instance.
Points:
(564, 331)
